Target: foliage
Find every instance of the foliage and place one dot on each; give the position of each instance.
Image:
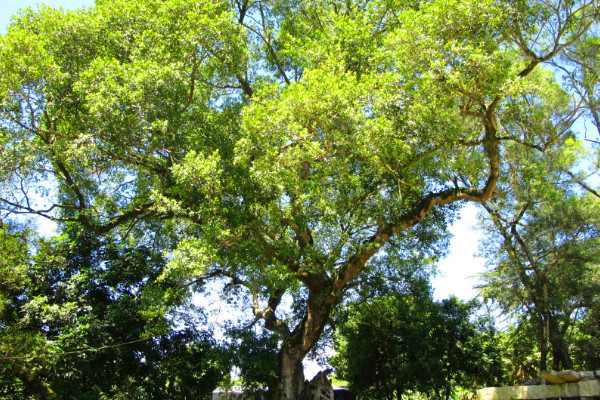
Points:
(520, 351)
(584, 78)
(406, 343)
(20, 374)
(586, 343)
(98, 311)
(282, 145)
(255, 356)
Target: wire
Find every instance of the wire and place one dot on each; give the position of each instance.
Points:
(79, 351)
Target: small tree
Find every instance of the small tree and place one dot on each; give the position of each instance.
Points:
(23, 366)
(255, 356)
(92, 320)
(586, 342)
(392, 345)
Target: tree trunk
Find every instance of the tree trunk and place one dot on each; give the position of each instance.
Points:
(291, 374)
(560, 349)
(319, 306)
(546, 322)
(544, 348)
(399, 391)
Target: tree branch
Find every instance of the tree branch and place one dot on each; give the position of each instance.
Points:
(272, 323)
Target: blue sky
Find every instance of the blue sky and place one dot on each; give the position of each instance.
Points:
(10, 7)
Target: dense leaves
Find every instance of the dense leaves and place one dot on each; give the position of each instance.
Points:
(255, 355)
(403, 343)
(91, 322)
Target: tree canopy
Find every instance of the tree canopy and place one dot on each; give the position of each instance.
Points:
(279, 146)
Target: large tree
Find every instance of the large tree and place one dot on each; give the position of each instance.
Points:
(280, 145)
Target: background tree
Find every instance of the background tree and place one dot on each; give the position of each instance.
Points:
(281, 145)
(543, 244)
(406, 342)
(519, 349)
(586, 342)
(21, 373)
(107, 325)
(255, 356)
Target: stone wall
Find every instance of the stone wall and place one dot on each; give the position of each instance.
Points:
(578, 384)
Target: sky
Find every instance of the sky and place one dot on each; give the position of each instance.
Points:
(457, 272)
(10, 7)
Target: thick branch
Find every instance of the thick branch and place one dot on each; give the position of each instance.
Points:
(143, 211)
(272, 323)
(386, 231)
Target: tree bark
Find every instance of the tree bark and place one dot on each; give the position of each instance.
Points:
(291, 373)
(546, 321)
(543, 350)
(320, 304)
